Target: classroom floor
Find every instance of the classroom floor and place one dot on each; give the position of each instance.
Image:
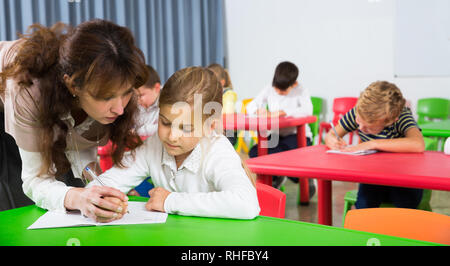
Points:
(440, 201)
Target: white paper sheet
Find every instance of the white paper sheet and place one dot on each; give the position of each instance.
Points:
(362, 152)
(137, 215)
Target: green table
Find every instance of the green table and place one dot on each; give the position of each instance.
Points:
(188, 231)
(436, 129)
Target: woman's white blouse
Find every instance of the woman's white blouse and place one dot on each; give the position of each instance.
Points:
(211, 182)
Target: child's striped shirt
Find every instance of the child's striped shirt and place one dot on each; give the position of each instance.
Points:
(397, 130)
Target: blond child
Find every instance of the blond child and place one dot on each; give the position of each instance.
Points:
(229, 96)
(383, 123)
(195, 171)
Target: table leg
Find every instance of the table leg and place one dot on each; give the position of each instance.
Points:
(324, 202)
(304, 182)
(265, 179)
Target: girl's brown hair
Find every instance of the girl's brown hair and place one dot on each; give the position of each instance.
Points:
(98, 56)
(221, 74)
(184, 84)
(380, 100)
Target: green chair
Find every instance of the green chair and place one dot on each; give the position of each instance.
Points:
(432, 108)
(317, 111)
(350, 196)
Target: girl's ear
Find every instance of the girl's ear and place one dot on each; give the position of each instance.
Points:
(212, 126)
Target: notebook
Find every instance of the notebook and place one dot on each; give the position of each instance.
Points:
(362, 152)
(137, 215)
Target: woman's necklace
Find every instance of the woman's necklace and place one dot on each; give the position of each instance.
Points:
(78, 158)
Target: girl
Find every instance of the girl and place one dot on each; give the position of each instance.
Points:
(195, 171)
(66, 92)
(229, 96)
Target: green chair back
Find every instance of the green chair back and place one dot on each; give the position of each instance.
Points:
(317, 103)
(432, 108)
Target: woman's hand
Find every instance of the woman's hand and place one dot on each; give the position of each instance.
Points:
(158, 196)
(102, 204)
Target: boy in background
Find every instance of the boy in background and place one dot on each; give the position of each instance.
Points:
(148, 120)
(148, 104)
(285, 97)
(384, 123)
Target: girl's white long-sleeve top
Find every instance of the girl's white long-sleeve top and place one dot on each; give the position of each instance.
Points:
(211, 181)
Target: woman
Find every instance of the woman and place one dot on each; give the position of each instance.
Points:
(66, 92)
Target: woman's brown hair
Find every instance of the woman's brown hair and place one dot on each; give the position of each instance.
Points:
(98, 56)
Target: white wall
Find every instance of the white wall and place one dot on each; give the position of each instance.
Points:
(340, 47)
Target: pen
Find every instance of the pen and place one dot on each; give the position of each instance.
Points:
(95, 177)
(334, 129)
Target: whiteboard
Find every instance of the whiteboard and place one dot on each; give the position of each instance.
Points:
(422, 38)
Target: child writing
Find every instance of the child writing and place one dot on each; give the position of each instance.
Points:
(285, 97)
(229, 97)
(383, 123)
(196, 171)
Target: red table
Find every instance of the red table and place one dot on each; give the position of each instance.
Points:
(428, 170)
(261, 125)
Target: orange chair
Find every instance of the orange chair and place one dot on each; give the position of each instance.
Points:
(400, 222)
(340, 107)
(271, 201)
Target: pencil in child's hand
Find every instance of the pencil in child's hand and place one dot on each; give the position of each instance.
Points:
(334, 130)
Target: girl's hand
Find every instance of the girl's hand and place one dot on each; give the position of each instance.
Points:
(102, 204)
(333, 142)
(158, 196)
(368, 145)
(133, 192)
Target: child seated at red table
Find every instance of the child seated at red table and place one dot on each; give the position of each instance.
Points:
(194, 168)
(383, 123)
(285, 97)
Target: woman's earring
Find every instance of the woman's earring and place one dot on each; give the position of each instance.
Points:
(74, 95)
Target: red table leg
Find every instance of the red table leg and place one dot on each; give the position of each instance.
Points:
(324, 202)
(265, 179)
(304, 182)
